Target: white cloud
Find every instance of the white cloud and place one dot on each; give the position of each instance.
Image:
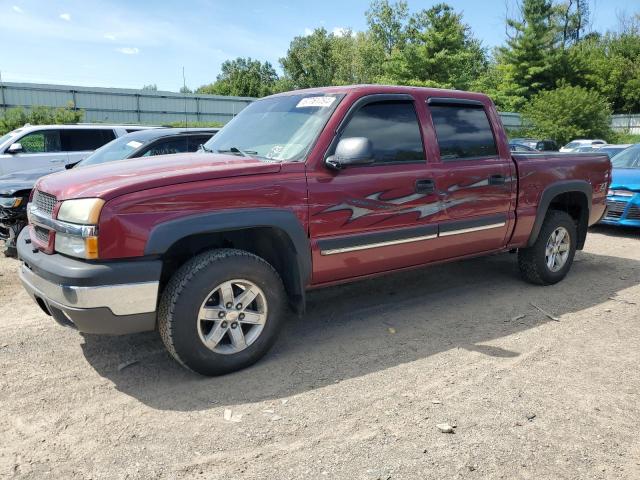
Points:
(17, 9)
(109, 36)
(66, 17)
(128, 50)
(307, 32)
(340, 31)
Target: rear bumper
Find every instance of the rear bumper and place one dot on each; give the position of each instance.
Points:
(103, 298)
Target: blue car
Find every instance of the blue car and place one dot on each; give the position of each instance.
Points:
(623, 199)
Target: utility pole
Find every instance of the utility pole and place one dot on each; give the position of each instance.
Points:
(184, 90)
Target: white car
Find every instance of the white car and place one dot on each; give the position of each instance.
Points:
(40, 146)
(574, 144)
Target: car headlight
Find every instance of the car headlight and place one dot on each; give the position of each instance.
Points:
(84, 211)
(76, 246)
(81, 240)
(10, 202)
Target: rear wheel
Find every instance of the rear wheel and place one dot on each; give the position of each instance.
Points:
(549, 259)
(221, 311)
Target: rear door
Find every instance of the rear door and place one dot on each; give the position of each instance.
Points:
(477, 180)
(372, 218)
(79, 143)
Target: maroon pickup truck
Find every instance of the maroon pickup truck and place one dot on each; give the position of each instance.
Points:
(301, 190)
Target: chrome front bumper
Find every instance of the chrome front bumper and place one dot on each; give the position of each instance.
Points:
(122, 299)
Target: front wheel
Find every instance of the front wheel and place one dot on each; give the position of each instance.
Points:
(549, 259)
(221, 311)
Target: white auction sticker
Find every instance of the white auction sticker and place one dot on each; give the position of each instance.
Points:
(134, 144)
(316, 102)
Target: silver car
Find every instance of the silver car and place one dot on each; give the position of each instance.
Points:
(42, 146)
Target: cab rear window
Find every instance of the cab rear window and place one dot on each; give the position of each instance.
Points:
(463, 132)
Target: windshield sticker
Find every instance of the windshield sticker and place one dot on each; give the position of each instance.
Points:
(134, 144)
(316, 102)
(275, 152)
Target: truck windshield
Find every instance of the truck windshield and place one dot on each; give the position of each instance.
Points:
(117, 149)
(280, 128)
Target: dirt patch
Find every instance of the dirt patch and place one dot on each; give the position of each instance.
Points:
(354, 390)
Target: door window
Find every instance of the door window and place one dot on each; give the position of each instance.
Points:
(393, 129)
(196, 140)
(44, 141)
(463, 132)
(167, 147)
(82, 140)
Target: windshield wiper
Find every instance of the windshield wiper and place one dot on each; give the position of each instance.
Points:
(205, 149)
(243, 153)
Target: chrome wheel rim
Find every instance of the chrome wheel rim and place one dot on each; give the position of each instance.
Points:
(557, 249)
(232, 316)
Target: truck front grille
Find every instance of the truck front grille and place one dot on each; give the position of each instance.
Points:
(615, 209)
(42, 234)
(44, 202)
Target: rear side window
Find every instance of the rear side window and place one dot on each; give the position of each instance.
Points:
(85, 139)
(392, 127)
(463, 132)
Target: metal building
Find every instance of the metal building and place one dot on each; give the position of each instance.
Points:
(122, 105)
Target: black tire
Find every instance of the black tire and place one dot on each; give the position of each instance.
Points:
(192, 284)
(532, 260)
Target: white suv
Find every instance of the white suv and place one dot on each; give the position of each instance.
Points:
(39, 146)
(575, 144)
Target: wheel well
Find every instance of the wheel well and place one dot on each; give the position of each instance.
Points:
(270, 243)
(577, 206)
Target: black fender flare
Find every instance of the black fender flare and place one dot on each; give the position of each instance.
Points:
(166, 234)
(552, 191)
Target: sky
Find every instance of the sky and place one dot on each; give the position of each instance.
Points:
(128, 44)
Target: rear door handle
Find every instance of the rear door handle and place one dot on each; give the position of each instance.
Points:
(426, 185)
(497, 180)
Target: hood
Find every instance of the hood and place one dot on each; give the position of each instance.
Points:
(112, 179)
(626, 178)
(25, 180)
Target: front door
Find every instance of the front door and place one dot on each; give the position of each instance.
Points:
(372, 218)
(40, 149)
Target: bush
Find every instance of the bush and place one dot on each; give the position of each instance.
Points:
(17, 117)
(567, 113)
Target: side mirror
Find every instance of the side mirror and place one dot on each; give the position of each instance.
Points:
(351, 151)
(15, 148)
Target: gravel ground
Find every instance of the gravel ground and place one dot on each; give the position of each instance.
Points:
(356, 389)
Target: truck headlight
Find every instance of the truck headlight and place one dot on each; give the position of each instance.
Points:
(84, 211)
(10, 202)
(76, 246)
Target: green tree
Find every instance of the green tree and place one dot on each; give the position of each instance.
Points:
(567, 113)
(243, 77)
(185, 89)
(439, 51)
(152, 87)
(309, 60)
(530, 49)
(39, 115)
(387, 23)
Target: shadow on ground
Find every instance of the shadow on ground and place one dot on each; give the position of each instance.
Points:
(345, 333)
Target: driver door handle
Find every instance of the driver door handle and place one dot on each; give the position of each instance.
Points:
(496, 180)
(426, 185)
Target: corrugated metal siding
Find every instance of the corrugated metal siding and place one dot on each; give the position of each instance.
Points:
(626, 123)
(122, 105)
